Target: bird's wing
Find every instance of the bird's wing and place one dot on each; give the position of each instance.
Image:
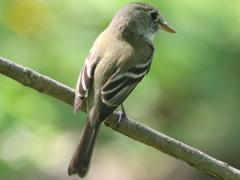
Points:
(120, 84)
(84, 80)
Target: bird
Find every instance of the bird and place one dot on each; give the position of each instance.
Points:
(118, 60)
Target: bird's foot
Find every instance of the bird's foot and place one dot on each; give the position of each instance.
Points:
(122, 115)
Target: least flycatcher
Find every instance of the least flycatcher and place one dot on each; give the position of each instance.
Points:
(119, 59)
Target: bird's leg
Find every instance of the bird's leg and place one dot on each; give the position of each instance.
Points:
(122, 116)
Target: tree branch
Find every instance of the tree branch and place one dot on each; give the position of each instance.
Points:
(128, 127)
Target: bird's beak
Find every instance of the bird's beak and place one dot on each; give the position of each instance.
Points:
(167, 28)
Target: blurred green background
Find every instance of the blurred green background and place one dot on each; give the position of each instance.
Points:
(192, 92)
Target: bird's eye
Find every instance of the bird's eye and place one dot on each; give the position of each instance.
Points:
(154, 15)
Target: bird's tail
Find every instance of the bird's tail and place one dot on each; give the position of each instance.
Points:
(82, 155)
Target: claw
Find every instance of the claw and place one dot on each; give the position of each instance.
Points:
(121, 116)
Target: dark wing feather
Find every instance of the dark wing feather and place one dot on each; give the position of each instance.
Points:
(121, 84)
(84, 80)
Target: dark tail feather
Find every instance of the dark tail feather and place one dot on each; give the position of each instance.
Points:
(82, 155)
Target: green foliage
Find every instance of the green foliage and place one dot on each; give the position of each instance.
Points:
(191, 92)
